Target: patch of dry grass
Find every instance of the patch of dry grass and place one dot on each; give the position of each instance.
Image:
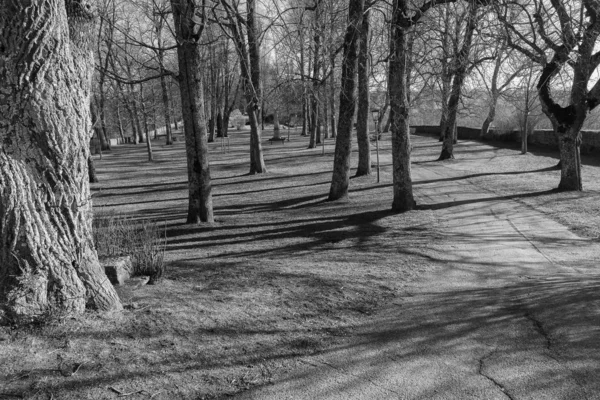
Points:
(144, 241)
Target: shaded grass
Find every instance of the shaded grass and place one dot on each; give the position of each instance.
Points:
(281, 274)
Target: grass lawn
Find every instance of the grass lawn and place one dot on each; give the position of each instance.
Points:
(281, 273)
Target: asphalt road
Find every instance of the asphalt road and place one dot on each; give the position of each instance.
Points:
(512, 312)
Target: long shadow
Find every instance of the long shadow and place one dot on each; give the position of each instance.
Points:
(269, 189)
(321, 233)
(448, 204)
(100, 187)
(475, 325)
(456, 178)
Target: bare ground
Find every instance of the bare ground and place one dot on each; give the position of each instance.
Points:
(280, 274)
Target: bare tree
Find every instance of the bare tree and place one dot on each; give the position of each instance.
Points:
(189, 28)
(249, 54)
(562, 37)
(343, 143)
(362, 117)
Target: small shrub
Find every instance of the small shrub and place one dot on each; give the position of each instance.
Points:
(144, 241)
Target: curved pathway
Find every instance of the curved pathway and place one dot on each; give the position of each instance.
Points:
(512, 312)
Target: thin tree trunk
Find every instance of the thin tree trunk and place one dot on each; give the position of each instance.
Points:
(200, 208)
(47, 257)
(305, 109)
(146, 130)
(457, 83)
(525, 132)
(276, 126)
(130, 111)
(254, 90)
(332, 97)
(136, 117)
(325, 118)
(341, 165)
(104, 139)
(93, 178)
(120, 123)
(166, 107)
(98, 126)
(314, 121)
(485, 127)
(362, 117)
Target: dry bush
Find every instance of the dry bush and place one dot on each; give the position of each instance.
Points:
(144, 241)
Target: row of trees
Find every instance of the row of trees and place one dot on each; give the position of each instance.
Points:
(203, 58)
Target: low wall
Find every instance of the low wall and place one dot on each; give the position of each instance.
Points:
(590, 140)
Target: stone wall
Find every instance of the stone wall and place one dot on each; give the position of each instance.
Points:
(590, 140)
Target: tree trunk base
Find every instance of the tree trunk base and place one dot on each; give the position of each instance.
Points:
(558, 166)
(446, 155)
(569, 186)
(401, 205)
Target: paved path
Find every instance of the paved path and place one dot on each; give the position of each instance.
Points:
(513, 312)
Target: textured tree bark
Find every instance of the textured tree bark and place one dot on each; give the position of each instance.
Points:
(399, 108)
(567, 122)
(462, 60)
(343, 142)
(200, 208)
(362, 116)
(47, 255)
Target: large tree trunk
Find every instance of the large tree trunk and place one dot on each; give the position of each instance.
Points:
(567, 122)
(399, 108)
(200, 208)
(362, 117)
(570, 174)
(343, 143)
(47, 255)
